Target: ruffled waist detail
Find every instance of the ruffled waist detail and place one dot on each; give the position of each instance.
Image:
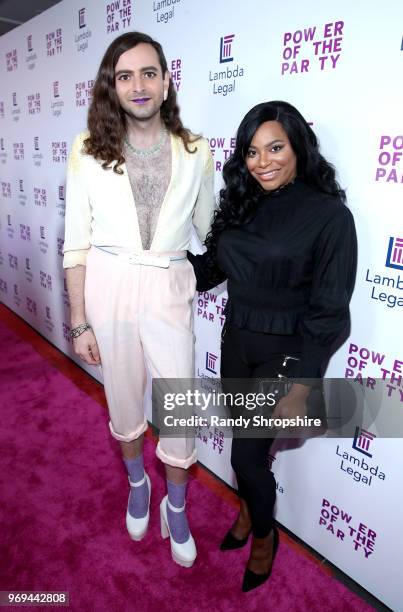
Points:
(271, 311)
(261, 319)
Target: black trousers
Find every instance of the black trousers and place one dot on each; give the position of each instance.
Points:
(246, 354)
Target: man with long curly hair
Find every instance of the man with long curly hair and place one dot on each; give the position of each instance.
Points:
(137, 180)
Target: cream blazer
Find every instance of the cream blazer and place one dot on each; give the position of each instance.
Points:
(100, 208)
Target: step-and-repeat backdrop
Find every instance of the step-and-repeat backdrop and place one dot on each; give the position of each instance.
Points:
(341, 65)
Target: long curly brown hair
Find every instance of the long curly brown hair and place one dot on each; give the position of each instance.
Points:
(107, 119)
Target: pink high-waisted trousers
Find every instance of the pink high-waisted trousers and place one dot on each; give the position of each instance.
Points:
(141, 314)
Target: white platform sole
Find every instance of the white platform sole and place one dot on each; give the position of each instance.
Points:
(183, 554)
(138, 528)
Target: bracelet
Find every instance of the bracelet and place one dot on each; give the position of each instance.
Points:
(80, 329)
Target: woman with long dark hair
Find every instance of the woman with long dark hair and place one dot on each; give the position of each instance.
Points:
(285, 241)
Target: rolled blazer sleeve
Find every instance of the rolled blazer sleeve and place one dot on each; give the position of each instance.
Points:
(78, 210)
(205, 203)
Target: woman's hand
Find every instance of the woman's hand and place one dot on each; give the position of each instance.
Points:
(86, 347)
(293, 404)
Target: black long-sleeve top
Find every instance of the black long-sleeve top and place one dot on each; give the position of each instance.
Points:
(290, 270)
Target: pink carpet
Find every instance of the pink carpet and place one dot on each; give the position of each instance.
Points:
(63, 501)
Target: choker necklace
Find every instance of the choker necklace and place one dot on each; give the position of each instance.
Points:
(152, 150)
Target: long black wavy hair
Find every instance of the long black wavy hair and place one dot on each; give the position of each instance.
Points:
(239, 198)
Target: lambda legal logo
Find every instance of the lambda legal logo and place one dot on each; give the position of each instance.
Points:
(81, 18)
(362, 441)
(226, 48)
(394, 258)
(210, 362)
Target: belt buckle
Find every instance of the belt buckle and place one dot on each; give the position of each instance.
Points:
(158, 261)
(133, 259)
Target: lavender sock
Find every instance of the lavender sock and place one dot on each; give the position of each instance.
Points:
(178, 523)
(138, 500)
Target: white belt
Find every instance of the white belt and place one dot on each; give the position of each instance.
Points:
(146, 259)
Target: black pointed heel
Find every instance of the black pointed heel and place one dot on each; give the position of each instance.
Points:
(250, 579)
(230, 542)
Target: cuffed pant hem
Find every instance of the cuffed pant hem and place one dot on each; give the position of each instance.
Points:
(131, 436)
(174, 461)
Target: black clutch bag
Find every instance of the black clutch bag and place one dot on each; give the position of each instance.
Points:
(280, 385)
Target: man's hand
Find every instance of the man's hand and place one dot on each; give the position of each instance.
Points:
(86, 347)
